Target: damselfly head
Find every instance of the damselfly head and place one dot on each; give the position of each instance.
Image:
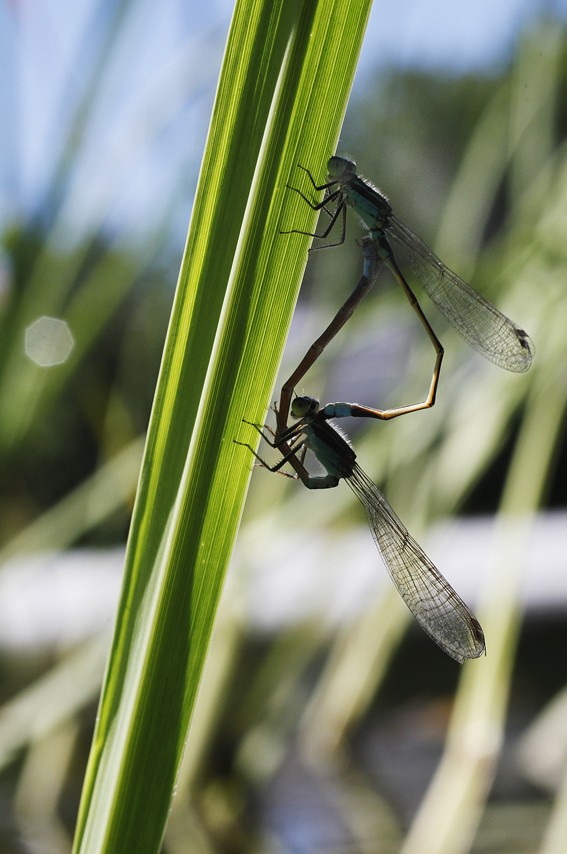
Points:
(303, 406)
(340, 169)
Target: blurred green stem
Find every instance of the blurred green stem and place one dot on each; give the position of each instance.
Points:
(451, 810)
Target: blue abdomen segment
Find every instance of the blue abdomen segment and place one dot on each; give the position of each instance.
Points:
(338, 410)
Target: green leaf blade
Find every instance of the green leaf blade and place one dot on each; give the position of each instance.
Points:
(233, 307)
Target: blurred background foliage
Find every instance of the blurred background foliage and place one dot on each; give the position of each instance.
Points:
(326, 722)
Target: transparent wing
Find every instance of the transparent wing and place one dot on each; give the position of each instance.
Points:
(482, 326)
(430, 598)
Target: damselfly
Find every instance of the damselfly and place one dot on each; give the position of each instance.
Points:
(437, 607)
(482, 326)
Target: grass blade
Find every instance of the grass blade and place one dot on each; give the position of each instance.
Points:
(282, 94)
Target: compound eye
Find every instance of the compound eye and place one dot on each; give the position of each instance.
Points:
(339, 167)
(301, 406)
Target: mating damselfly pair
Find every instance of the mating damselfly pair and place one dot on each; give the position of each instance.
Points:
(432, 600)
